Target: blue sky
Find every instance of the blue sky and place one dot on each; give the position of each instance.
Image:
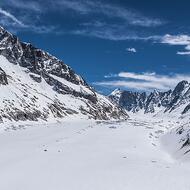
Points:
(130, 44)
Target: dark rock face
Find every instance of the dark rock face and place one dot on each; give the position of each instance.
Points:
(3, 77)
(132, 101)
(167, 101)
(36, 78)
(187, 109)
(41, 66)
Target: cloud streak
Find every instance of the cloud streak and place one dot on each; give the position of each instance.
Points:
(143, 81)
(114, 32)
(28, 23)
(11, 17)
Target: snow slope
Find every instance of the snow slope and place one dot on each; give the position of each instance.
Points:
(89, 155)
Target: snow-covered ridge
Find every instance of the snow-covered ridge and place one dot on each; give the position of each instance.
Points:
(36, 85)
(176, 102)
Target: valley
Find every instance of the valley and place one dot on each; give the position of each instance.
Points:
(83, 154)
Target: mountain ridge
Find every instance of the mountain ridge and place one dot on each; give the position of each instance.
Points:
(37, 85)
(168, 101)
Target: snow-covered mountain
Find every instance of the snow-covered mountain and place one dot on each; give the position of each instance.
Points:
(36, 85)
(173, 101)
(171, 107)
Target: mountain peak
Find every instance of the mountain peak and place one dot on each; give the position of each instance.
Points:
(1, 29)
(180, 88)
(116, 92)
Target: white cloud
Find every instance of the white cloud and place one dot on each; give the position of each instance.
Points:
(183, 52)
(111, 76)
(144, 76)
(176, 39)
(137, 86)
(144, 81)
(188, 47)
(180, 40)
(133, 50)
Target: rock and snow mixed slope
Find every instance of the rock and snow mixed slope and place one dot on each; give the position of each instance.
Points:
(36, 85)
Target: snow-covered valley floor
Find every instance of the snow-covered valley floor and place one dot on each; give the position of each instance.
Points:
(86, 155)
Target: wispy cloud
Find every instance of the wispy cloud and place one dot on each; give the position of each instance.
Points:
(111, 11)
(109, 21)
(113, 31)
(112, 21)
(144, 81)
(26, 5)
(89, 7)
(81, 7)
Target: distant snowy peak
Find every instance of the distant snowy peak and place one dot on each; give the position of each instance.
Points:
(116, 95)
(177, 100)
(36, 85)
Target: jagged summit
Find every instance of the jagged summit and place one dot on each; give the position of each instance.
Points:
(35, 59)
(180, 88)
(173, 100)
(35, 84)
